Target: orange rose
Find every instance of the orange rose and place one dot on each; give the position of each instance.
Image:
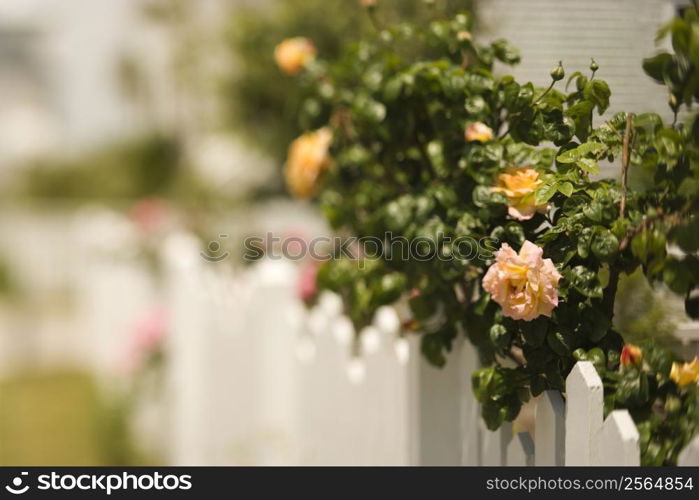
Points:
(519, 185)
(307, 158)
(293, 54)
(631, 355)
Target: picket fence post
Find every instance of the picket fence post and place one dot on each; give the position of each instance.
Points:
(619, 443)
(495, 444)
(690, 455)
(520, 450)
(550, 430)
(186, 378)
(584, 410)
(437, 406)
(470, 411)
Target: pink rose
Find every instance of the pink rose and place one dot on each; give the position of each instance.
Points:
(525, 284)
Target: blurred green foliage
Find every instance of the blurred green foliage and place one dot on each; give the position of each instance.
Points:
(130, 169)
(264, 106)
(7, 285)
(60, 418)
(641, 313)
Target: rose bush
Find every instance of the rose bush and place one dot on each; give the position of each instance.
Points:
(438, 148)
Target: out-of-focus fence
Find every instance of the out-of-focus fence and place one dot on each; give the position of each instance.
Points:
(250, 376)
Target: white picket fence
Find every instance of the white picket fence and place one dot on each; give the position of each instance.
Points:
(279, 385)
(254, 378)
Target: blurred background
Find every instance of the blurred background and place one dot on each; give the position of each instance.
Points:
(140, 142)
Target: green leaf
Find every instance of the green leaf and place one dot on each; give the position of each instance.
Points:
(584, 150)
(537, 385)
(566, 188)
(546, 192)
(515, 233)
(605, 245)
(589, 165)
(393, 88)
(500, 337)
(687, 235)
(677, 276)
(596, 323)
(559, 344)
(584, 280)
(493, 414)
(597, 92)
(534, 332)
(657, 66)
(435, 152)
(389, 288)
(581, 115)
(597, 357)
(506, 52)
(584, 241)
(432, 348)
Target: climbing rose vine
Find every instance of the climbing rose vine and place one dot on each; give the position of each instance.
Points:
(413, 134)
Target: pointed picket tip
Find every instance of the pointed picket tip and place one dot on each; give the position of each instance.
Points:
(584, 410)
(619, 445)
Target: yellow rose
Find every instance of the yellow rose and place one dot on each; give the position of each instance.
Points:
(293, 54)
(478, 132)
(307, 158)
(519, 185)
(685, 373)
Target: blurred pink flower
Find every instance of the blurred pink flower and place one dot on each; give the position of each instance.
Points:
(525, 284)
(150, 214)
(306, 286)
(146, 337)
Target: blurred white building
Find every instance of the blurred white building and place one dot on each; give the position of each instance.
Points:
(618, 34)
(59, 72)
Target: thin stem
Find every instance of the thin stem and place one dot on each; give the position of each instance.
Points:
(625, 160)
(609, 296)
(553, 82)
